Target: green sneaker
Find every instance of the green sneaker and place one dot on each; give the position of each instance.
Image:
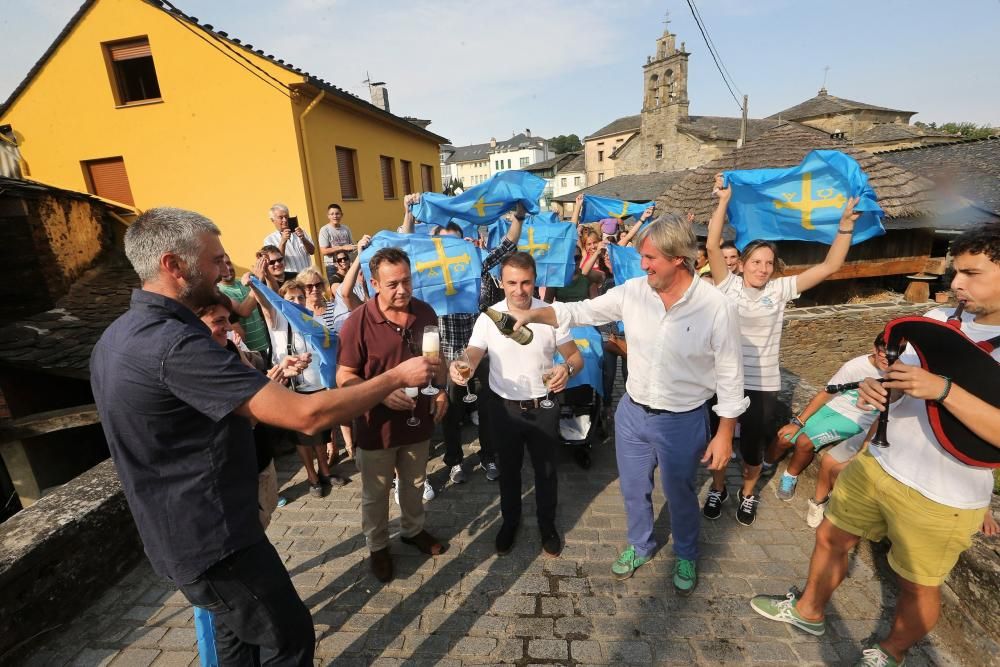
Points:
(876, 657)
(685, 577)
(628, 562)
(782, 608)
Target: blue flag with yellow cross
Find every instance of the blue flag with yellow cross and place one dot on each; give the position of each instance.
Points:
(802, 203)
(446, 270)
(588, 340)
(551, 244)
(598, 208)
(625, 263)
(483, 203)
(320, 341)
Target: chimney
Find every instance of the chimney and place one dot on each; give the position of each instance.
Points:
(493, 142)
(527, 132)
(380, 96)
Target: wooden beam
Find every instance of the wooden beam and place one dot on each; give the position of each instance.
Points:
(870, 269)
(48, 422)
(15, 458)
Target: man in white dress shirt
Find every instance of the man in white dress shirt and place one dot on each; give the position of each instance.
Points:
(294, 244)
(684, 346)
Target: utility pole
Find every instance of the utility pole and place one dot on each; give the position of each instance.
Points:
(743, 124)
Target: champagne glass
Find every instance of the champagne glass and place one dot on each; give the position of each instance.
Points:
(548, 370)
(464, 368)
(431, 349)
(412, 392)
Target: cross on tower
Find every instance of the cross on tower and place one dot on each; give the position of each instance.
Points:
(444, 262)
(827, 198)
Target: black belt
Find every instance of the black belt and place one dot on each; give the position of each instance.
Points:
(529, 404)
(657, 411)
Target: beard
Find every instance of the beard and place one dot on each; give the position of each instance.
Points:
(199, 291)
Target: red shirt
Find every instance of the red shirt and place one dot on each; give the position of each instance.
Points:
(371, 344)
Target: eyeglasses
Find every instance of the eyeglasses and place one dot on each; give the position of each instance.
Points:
(312, 286)
(340, 259)
(275, 262)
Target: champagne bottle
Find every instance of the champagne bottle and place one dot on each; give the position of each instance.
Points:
(505, 323)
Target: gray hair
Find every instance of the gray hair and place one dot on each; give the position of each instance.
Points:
(672, 236)
(279, 207)
(165, 230)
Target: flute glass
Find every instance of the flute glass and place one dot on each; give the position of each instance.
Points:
(412, 392)
(431, 349)
(464, 368)
(548, 370)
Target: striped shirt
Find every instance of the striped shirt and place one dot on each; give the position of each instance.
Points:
(254, 327)
(762, 312)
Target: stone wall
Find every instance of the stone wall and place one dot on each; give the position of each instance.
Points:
(60, 554)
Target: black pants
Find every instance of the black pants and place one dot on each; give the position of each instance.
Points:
(452, 424)
(757, 426)
(538, 430)
(259, 618)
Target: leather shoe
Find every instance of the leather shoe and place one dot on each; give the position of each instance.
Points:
(426, 543)
(505, 538)
(551, 543)
(381, 564)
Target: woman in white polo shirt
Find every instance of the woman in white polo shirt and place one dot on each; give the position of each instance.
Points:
(760, 299)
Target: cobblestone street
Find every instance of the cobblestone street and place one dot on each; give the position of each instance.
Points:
(471, 607)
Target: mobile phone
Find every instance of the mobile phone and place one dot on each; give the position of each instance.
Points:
(293, 223)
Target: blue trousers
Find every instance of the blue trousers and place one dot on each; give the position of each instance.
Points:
(674, 441)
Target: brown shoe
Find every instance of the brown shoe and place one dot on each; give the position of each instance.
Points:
(381, 564)
(426, 543)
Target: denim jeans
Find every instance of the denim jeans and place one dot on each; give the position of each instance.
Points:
(259, 618)
(674, 441)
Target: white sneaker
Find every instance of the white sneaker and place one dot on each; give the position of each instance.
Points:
(814, 516)
(428, 492)
(457, 475)
(475, 417)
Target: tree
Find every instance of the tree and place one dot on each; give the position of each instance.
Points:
(453, 185)
(966, 129)
(565, 143)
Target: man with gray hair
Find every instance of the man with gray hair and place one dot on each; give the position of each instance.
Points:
(293, 242)
(684, 346)
(177, 410)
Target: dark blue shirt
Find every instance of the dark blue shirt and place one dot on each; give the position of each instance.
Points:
(165, 392)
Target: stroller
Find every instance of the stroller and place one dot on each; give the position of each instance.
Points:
(581, 402)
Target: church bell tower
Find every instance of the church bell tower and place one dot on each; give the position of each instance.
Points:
(665, 77)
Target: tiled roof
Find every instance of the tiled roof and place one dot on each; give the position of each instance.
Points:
(558, 162)
(474, 152)
(172, 9)
(908, 199)
(631, 187)
(59, 341)
(724, 127)
(970, 169)
(617, 126)
(824, 103)
(897, 132)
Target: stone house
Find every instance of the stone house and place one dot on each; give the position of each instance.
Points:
(600, 146)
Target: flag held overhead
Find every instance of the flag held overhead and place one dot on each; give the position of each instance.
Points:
(483, 203)
(598, 208)
(552, 245)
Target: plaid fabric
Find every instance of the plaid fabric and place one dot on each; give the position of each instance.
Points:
(490, 291)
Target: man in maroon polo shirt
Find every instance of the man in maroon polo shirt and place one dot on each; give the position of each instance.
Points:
(384, 332)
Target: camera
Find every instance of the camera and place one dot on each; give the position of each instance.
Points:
(293, 223)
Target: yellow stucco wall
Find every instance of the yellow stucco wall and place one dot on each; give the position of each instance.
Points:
(224, 141)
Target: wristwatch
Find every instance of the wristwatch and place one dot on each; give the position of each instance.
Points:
(797, 422)
(569, 368)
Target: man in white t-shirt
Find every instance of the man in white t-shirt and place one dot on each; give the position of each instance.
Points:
(334, 240)
(914, 491)
(294, 244)
(518, 411)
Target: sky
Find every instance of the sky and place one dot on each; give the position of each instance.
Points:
(488, 69)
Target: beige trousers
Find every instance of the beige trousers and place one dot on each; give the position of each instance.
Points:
(267, 493)
(378, 467)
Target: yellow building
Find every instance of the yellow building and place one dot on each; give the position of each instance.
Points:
(139, 103)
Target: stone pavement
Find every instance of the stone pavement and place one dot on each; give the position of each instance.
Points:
(471, 607)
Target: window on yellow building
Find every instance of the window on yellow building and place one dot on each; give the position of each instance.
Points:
(426, 177)
(133, 72)
(388, 167)
(347, 159)
(406, 167)
(107, 178)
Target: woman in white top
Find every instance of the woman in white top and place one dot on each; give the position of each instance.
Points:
(760, 299)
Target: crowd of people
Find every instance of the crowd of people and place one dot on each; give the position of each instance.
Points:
(217, 369)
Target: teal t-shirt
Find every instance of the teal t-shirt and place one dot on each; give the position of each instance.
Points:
(253, 325)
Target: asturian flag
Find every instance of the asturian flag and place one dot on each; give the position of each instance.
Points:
(483, 203)
(802, 203)
(588, 340)
(552, 244)
(597, 208)
(625, 263)
(446, 270)
(320, 341)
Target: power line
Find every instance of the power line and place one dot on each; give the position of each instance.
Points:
(714, 48)
(711, 51)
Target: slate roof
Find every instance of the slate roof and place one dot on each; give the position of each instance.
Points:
(482, 151)
(617, 126)
(824, 103)
(631, 187)
(897, 132)
(27, 188)
(172, 9)
(59, 341)
(970, 169)
(724, 127)
(909, 200)
(558, 162)
(578, 163)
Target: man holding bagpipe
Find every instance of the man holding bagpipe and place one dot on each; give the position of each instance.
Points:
(927, 491)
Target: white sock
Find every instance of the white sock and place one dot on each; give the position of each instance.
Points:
(792, 476)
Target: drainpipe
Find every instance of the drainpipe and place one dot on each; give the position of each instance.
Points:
(313, 229)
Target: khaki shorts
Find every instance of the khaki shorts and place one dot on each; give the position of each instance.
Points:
(927, 537)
